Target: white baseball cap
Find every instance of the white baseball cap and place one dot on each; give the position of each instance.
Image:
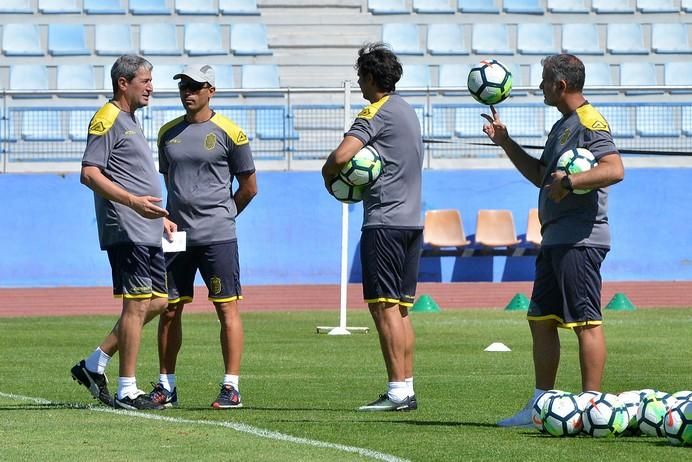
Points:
(202, 73)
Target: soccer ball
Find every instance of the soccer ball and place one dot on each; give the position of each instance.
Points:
(605, 416)
(575, 161)
(651, 412)
(345, 192)
(489, 82)
(631, 401)
(561, 416)
(586, 397)
(685, 395)
(537, 408)
(363, 169)
(677, 423)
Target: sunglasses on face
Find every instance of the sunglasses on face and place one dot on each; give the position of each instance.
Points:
(191, 85)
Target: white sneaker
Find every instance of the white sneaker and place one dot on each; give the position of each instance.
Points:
(520, 419)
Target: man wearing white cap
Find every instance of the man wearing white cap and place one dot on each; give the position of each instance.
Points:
(199, 155)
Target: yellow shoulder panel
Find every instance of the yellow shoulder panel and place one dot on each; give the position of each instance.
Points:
(234, 132)
(167, 126)
(103, 120)
(592, 119)
(370, 111)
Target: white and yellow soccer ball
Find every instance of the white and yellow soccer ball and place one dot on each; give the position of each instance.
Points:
(345, 192)
(363, 169)
(631, 400)
(577, 160)
(605, 416)
(651, 412)
(561, 415)
(677, 423)
(489, 82)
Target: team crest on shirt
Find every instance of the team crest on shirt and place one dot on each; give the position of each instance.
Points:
(242, 138)
(599, 125)
(565, 136)
(210, 141)
(364, 113)
(215, 285)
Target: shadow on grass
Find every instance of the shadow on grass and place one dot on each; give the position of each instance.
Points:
(44, 406)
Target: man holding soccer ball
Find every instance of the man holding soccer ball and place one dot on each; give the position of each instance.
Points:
(576, 236)
(391, 236)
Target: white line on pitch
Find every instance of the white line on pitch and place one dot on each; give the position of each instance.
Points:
(239, 427)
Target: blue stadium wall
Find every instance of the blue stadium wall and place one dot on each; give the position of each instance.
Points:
(290, 234)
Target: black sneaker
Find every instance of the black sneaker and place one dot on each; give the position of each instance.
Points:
(97, 384)
(412, 403)
(229, 398)
(138, 401)
(162, 396)
(383, 403)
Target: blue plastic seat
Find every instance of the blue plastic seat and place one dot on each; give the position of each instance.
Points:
(238, 7)
(441, 122)
(678, 73)
(159, 38)
(612, 6)
(196, 7)
(42, 125)
(16, 6)
(433, 6)
(638, 73)
(78, 124)
(59, 6)
(112, 39)
(490, 39)
(223, 76)
(670, 38)
(657, 121)
(620, 119)
(249, 40)
(21, 40)
(468, 122)
(446, 39)
(257, 76)
(478, 6)
(517, 78)
(550, 116)
(536, 39)
(581, 39)
(28, 77)
(625, 39)
(203, 39)
(388, 7)
(149, 7)
(404, 38)
(414, 75)
(522, 121)
(75, 77)
(567, 6)
(686, 6)
(271, 123)
(162, 76)
(453, 75)
(523, 6)
(598, 75)
(104, 7)
(67, 40)
(657, 6)
(536, 75)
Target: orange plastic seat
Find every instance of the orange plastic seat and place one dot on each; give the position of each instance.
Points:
(443, 228)
(533, 229)
(495, 228)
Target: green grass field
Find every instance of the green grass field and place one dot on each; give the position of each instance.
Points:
(300, 390)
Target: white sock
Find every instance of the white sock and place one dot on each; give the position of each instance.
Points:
(232, 380)
(127, 386)
(168, 381)
(409, 383)
(398, 391)
(97, 361)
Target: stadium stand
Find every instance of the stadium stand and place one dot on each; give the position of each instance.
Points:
(446, 39)
(75, 77)
(638, 73)
(78, 123)
(686, 6)
(196, 7)
(657, 6)
(656, 121)
(677, 73)
(16, 6)
(238, 7)
(67, 40)
(162, 76)
(625, 39)
(444, 229)
(490, 39)
(404, 38)
(670, 38)
(415, 75)
(237, 114)
(533, 229)
(478, 6)
(272, 123)
(468, 123)
(536, 39)
(598, 74)
(388, 7)
(59, 6)
(28, 77)
(21, 40)
(567, 6)
(42, 125)
(104, 7)
(442, 121)
(522, 120)
(581, 39)
(159, 38)
(612, 6)
(495, 228)
(453, 75)
(249, 40)
(687, 120)
(620, 118)
(224, 76)
(203, 39)
(147, 7)
(523, 6)
(113, 39)
(433, 7)
(259, 76)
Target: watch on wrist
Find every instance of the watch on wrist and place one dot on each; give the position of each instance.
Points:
(566, 182)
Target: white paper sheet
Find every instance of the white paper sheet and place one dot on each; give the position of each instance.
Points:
(178, 244)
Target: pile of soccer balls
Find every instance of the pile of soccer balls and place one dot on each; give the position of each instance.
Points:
(357, 175)
(648, 412)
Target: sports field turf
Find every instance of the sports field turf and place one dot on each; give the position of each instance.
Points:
(300, 390)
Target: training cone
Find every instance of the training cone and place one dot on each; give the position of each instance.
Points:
(620, 302)
(518, 303)
(425, 304)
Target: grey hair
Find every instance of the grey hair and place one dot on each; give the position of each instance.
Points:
(127, 66)
(568, 68)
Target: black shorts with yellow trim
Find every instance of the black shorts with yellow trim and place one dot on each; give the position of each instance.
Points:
(390, 259)
(219, 266)
(567, 287)
(138, 271)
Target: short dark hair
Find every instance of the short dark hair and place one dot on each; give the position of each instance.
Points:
(127, 66)
(378, 60)
(568, 68)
